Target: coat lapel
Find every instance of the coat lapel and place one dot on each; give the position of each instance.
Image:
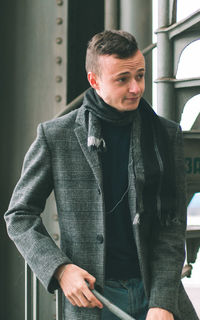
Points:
(91, 156)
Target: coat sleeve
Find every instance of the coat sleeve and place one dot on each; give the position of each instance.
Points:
(23, 218)
(168, 249)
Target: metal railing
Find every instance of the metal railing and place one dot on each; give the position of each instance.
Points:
(32, 310)
(31, 294)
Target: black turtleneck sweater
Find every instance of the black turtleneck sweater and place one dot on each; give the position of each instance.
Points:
(121, 253)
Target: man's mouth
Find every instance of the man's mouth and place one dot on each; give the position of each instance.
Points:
(132, 98)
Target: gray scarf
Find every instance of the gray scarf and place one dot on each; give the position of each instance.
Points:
(148, 133)
(98, 109)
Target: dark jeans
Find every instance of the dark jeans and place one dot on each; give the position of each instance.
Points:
(128, 295)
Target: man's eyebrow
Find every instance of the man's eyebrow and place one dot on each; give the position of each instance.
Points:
(127, 72)
(123, 73)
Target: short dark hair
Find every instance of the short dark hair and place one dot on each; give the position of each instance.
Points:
(120, 43)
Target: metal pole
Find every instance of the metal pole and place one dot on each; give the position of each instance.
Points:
(166, 104)
(149, 49)
(27, 292)
(74, 104)
(111, 14)
(173, 11)
(58, 304)
(113, 308)
(136, 18)
(35, 298)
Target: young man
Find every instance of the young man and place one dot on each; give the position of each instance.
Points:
(117, 171)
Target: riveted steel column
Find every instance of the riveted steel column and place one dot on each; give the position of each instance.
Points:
(111, 14)
(166, 103)
(60, 50)
(136, 18)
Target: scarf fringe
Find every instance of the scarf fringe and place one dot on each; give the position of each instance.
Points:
(96, 144)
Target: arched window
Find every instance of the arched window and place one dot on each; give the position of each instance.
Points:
(193, 210)
(190, 112)
(189, 66)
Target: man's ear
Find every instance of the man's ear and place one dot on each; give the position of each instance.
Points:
(92, 78)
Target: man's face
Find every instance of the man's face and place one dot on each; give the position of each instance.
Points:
(121, 82)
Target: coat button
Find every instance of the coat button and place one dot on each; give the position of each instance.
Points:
(100, 238)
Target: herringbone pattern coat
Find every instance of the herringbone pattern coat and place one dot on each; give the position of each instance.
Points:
(60, 160)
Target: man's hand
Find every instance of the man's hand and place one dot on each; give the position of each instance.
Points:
(159, 314)
(72, 281)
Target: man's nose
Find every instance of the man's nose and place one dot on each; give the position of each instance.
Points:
(134, 87)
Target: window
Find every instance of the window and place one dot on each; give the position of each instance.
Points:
(189, 66)
(190, 112)
(186, 8)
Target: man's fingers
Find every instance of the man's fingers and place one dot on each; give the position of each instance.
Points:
(75, 297)
(84, 298)
(89, 295)
(88, 299)
(82, 301)
(90, 279)
(72, 280)
(94, 302)
(71, 301)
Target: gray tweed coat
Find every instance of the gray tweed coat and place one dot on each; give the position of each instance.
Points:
(59, 160)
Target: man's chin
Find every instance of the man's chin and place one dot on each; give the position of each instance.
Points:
(131, 107)
(131, 103)
(127, 106)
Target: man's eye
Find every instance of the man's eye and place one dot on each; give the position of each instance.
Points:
(122, 79)
(140, 76)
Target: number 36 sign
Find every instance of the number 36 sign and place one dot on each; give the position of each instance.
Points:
(192, 160)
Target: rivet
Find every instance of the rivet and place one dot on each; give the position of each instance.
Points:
(58, 98)
(54, 317)
(58, 60)
(58, 79)
(55, 236)
(54, 297)
(59, 40)
(59, 20)
(59, 2)
(100, 238)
